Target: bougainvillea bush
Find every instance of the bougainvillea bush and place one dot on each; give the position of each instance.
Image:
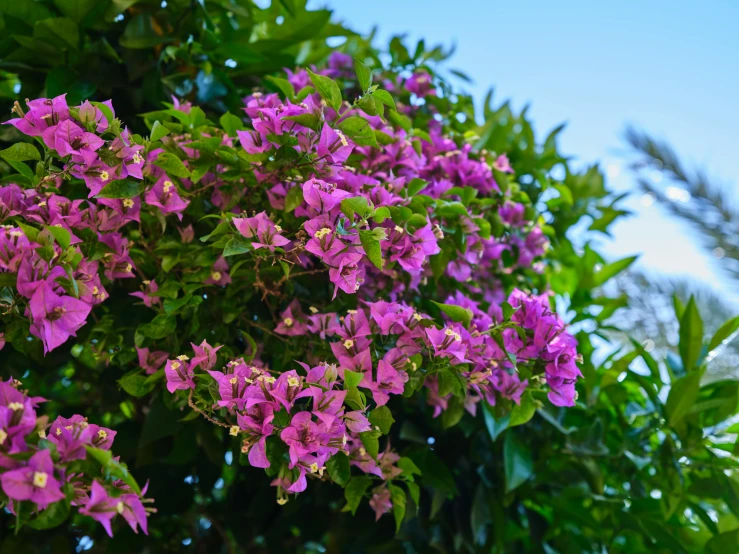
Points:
(358, 259)
(318, 301)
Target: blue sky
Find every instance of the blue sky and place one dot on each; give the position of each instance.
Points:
(671, 68)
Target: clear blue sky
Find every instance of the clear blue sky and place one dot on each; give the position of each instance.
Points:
(671, 68)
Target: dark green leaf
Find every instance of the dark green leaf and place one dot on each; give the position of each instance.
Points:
(517, 462)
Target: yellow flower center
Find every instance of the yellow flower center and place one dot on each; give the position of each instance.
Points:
(233, 380)
(128, 203)
(293, 381)
(288, 321)
(216, 275)
(234, 430)
(39, 479)
(104, 176)
(102, 434)
(167, 185)
(322, 233)
(120, 507)
(348, 343)
(3, 436)
(176, 365)
(15, 406)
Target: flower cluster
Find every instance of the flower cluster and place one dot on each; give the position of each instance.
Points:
(386, 218)
(381, 350)
(42, 465)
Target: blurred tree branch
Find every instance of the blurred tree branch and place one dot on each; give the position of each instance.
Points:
(709, 210)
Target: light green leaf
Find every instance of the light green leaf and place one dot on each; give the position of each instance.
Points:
(397, 497)
(612, 269)
(231, 123)
(294, 198)
(691, 335)
(359, 130)
(456, 313)
(364, 75)
(682, 397)
(172, 165)
(352, 379)
(20, 152)
(158, 131)
(724, 333)
(372, 248)
(327, 88)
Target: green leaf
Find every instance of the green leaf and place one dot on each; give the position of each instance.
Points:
(408, 466)
(158, 131)
(75, 9)
(384, 97)
(172, 165)
(370, 442)
(364, 75)
(691, 335)
(162, 326)
(382, 417)
(113, 468)
(359, 130)
(416, 185)
(523, 412)
(682, 397)
(306, 120)
(371, 247)
(284, 85)
(724, 334)
(356, 204)
(136, 384)
(231, 123)
(494, 425)
(454, 412)
(456, 313)
(352, 379)
(52, 516)
(414, 491)
(327, 88)
(612, 269)
(355, 491)
(723, 543)
(20, 152)
(236, 245)
(338, 468)
(294, 198)
(121, 189)
(61, 235)
(517, 462)
(397, 497)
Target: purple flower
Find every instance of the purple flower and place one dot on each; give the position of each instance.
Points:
(151, 361)
(164, 195)
(292, 321)
(56, 318)
(205, 355)
(380, 502)
(101, 507)
(34, 482)
(179, 374)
